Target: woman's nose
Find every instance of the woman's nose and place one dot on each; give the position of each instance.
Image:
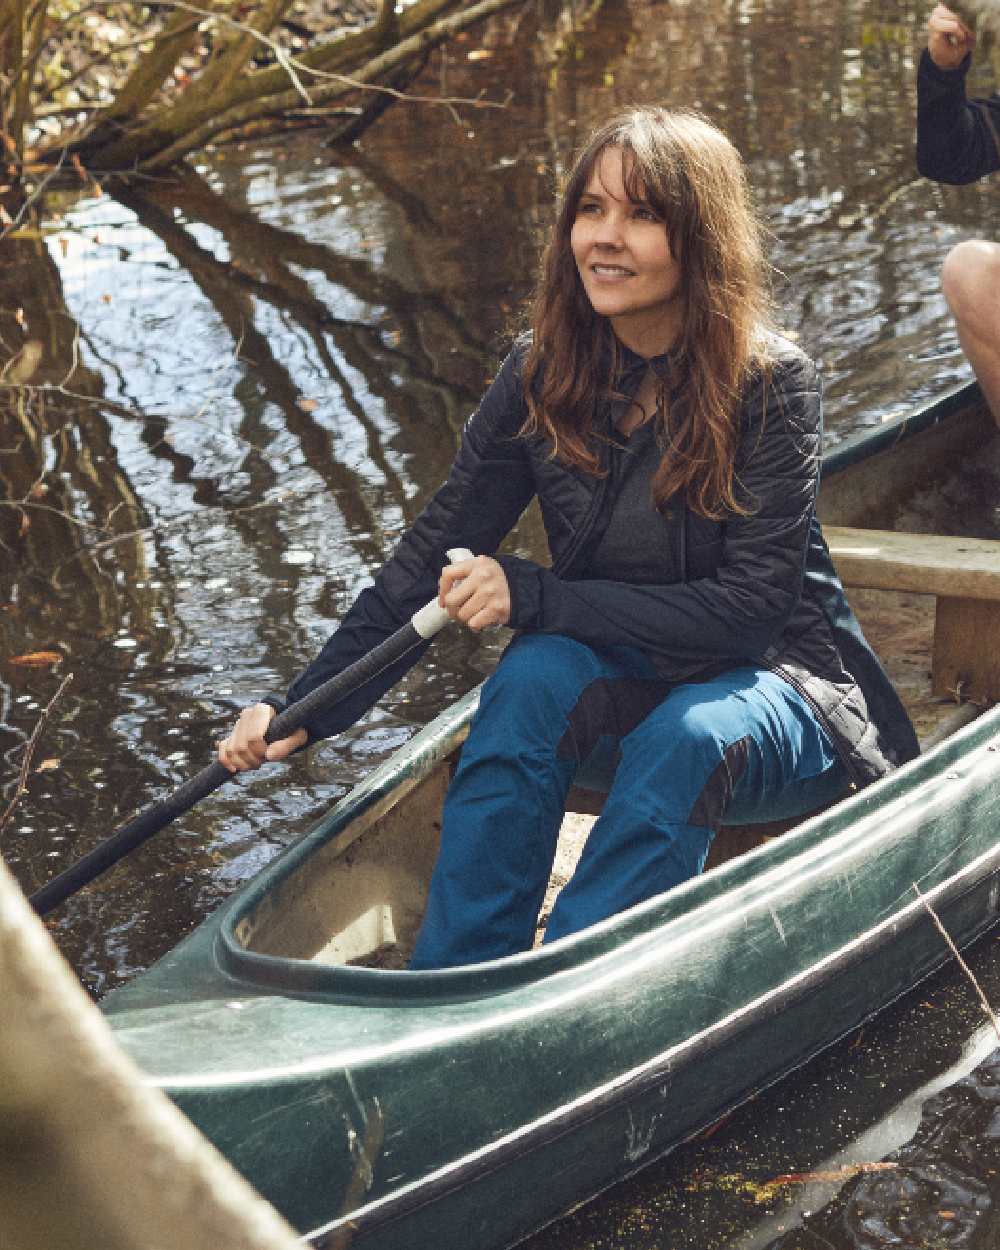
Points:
(609, 231)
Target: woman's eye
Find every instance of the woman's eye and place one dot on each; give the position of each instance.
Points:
(588, 208)
(646, 214)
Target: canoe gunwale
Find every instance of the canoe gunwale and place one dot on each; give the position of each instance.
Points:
(862, 446)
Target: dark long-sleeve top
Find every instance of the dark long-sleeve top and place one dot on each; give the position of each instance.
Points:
(957, 138)
(757, 588)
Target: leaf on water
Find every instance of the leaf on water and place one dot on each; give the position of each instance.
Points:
(307, 405)
(37, 659)
(105, 298)
(47, 765)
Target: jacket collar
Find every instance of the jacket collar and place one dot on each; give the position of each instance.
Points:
(631, 367)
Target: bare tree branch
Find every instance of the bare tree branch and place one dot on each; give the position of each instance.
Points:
(29, 750)
(983, 1000)
(333, 86)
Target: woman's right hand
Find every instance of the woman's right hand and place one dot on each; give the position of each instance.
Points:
(245, 747)
(949, 40)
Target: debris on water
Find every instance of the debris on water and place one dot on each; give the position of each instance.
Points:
(298, 555)
(942, 1188)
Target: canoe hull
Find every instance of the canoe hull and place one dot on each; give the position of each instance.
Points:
(425, 1105)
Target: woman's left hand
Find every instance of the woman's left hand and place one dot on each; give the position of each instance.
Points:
(475, 592)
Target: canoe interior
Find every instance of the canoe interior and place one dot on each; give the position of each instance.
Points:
(359, 899)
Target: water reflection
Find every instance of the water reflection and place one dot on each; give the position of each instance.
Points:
(261, 368)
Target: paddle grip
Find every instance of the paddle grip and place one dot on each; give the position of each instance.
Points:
(432, 618)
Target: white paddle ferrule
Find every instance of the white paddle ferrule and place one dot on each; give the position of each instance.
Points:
(432, 618)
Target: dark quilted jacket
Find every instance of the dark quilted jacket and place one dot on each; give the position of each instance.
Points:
(958, 139)
(758, 589)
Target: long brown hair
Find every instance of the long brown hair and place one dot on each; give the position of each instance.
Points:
(689, 173)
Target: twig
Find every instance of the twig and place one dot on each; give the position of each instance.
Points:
(35, 194)
(179, 522)
(123, 410)
(984, 1001)
(29, 750)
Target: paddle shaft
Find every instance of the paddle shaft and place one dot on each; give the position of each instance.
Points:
(422, 625)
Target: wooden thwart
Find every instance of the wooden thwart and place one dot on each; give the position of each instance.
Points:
(964, 576)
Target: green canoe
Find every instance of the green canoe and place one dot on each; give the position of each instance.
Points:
(381, 1108)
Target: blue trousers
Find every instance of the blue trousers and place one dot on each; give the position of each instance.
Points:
(744, 745)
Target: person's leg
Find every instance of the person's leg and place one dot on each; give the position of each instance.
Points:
(970, 280)
(540, 714)
(746, 734)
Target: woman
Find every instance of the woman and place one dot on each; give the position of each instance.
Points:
(691, 626)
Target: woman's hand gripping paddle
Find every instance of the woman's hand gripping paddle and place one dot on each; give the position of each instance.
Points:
(424, 624)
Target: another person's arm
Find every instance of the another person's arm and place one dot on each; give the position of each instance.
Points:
(956, 137)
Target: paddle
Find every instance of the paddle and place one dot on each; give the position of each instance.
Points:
(424, 624)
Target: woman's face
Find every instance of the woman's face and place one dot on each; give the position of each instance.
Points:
(623, 256)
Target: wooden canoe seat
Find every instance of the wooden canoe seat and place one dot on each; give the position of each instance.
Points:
(964, 576)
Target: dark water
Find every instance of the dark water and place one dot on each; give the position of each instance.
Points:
(258, 373)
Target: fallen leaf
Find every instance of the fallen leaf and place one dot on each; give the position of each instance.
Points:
(47, 765)
(105, 298)
(479, 54)
(37, 659)
(307, 405)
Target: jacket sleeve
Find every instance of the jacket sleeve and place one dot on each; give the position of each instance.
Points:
(489, 486)
(738, 613)
(956, 136)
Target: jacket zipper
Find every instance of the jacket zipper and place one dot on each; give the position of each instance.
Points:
(821, 716)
